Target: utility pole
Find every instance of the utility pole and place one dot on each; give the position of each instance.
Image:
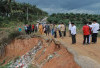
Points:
(27, 14)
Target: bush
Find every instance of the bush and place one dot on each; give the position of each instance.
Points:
(10, 37)
(14, 34)
(1, 18)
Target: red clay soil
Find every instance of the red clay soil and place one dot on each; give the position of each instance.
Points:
(63, 59)
(19, 47)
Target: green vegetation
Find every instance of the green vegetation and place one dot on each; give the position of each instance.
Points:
(13, 13)
(76, 18)
(2, 62)
(7, 65)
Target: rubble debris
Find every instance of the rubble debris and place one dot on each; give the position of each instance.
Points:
(26, 59)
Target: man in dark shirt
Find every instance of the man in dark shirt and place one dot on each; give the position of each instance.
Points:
(47, 28)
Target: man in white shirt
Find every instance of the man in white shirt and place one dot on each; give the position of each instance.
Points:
(59, 29)
(37, 26)
(73, 33)
(69, 28)
(95, 28)
(90, 26)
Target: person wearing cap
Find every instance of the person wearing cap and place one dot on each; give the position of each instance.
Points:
(95, 28)
(73, 33)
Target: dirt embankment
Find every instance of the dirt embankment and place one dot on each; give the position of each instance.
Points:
(19, 47)
(54, 55)
(51, 55)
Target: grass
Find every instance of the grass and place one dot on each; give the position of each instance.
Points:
(7, 65)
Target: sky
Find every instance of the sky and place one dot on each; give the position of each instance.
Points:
(66, 6)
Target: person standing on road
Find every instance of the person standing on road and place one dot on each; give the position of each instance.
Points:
(95, 29)
(86, 33)
(33, 27)
(65, 31)
(73, 33)
(40, 28)
(30, 29)
(90, 26)
(25, 27)
(62, 29)
(47, 28)
(55, 31)
(59, 29)
(37, 26)
(69, 29)
(52, 29)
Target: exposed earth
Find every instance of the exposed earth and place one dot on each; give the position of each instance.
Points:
(56, 53)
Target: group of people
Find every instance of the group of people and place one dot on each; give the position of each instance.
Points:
(52, 29)
(90, 30)
(29, 28)
(46, 29)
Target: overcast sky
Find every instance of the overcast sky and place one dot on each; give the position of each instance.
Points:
(64, 6)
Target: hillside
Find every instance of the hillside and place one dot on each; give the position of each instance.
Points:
(13, 13)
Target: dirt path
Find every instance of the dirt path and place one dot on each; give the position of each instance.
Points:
(91, 51)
